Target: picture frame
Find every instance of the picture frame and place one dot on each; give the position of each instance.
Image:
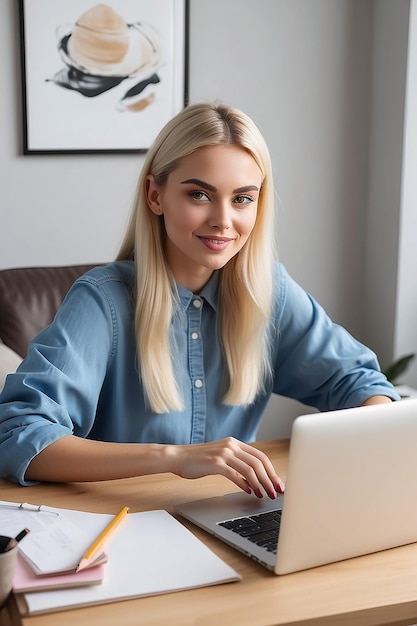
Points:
(101, 78)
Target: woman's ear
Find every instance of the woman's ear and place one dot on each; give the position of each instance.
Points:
(153, 196)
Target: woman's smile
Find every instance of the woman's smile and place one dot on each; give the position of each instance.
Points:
(217, 244)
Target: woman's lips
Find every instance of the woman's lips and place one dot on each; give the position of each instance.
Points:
(216, 244)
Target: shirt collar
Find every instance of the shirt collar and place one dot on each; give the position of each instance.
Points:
(209, 293)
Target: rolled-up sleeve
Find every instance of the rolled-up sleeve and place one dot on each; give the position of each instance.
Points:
(55, 390)
(317, 361)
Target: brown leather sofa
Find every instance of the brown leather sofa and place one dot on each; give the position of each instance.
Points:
(29, 299)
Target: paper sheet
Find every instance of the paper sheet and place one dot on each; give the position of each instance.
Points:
(55, 542)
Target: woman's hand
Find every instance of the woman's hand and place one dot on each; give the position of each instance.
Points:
(244, 465)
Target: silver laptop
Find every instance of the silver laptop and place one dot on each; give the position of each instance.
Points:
(350, 490)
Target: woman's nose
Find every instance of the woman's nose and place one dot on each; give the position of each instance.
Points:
(220, 217)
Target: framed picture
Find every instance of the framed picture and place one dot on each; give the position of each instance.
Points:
(101, 77)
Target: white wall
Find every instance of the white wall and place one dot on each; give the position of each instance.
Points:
(303, 70)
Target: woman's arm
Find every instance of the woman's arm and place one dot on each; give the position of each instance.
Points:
(317, 361)
(73, 459)
(376, 400)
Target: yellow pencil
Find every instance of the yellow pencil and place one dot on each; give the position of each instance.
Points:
(101, 539)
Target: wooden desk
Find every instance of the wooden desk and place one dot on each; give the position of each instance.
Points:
(375, 589)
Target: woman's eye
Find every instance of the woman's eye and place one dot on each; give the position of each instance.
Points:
(198, 195)
(244, 199)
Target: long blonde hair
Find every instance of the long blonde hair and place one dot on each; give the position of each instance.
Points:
(245, 281)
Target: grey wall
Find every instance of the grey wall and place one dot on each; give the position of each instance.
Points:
(391, 252)
(310, 72)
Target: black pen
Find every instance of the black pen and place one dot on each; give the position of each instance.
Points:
(13, 542)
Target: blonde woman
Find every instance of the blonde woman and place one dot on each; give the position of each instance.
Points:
(164, 360)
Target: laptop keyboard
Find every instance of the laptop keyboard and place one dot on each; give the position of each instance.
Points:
(260, 529)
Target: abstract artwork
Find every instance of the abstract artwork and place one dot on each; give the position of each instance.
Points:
(101, 77)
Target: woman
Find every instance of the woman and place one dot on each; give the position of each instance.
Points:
(164, 360)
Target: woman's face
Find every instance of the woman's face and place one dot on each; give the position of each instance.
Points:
(209, 206)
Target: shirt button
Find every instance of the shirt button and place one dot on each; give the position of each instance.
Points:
(197, 303)
(194, 335)
(198, 383)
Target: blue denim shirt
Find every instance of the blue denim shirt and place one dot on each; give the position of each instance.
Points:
(81, 374)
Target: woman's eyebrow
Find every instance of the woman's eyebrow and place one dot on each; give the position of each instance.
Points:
(247, 188)
(202, 183)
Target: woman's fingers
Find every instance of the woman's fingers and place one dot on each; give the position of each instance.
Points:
(256, 469)
(249, 468)
(263, 468)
